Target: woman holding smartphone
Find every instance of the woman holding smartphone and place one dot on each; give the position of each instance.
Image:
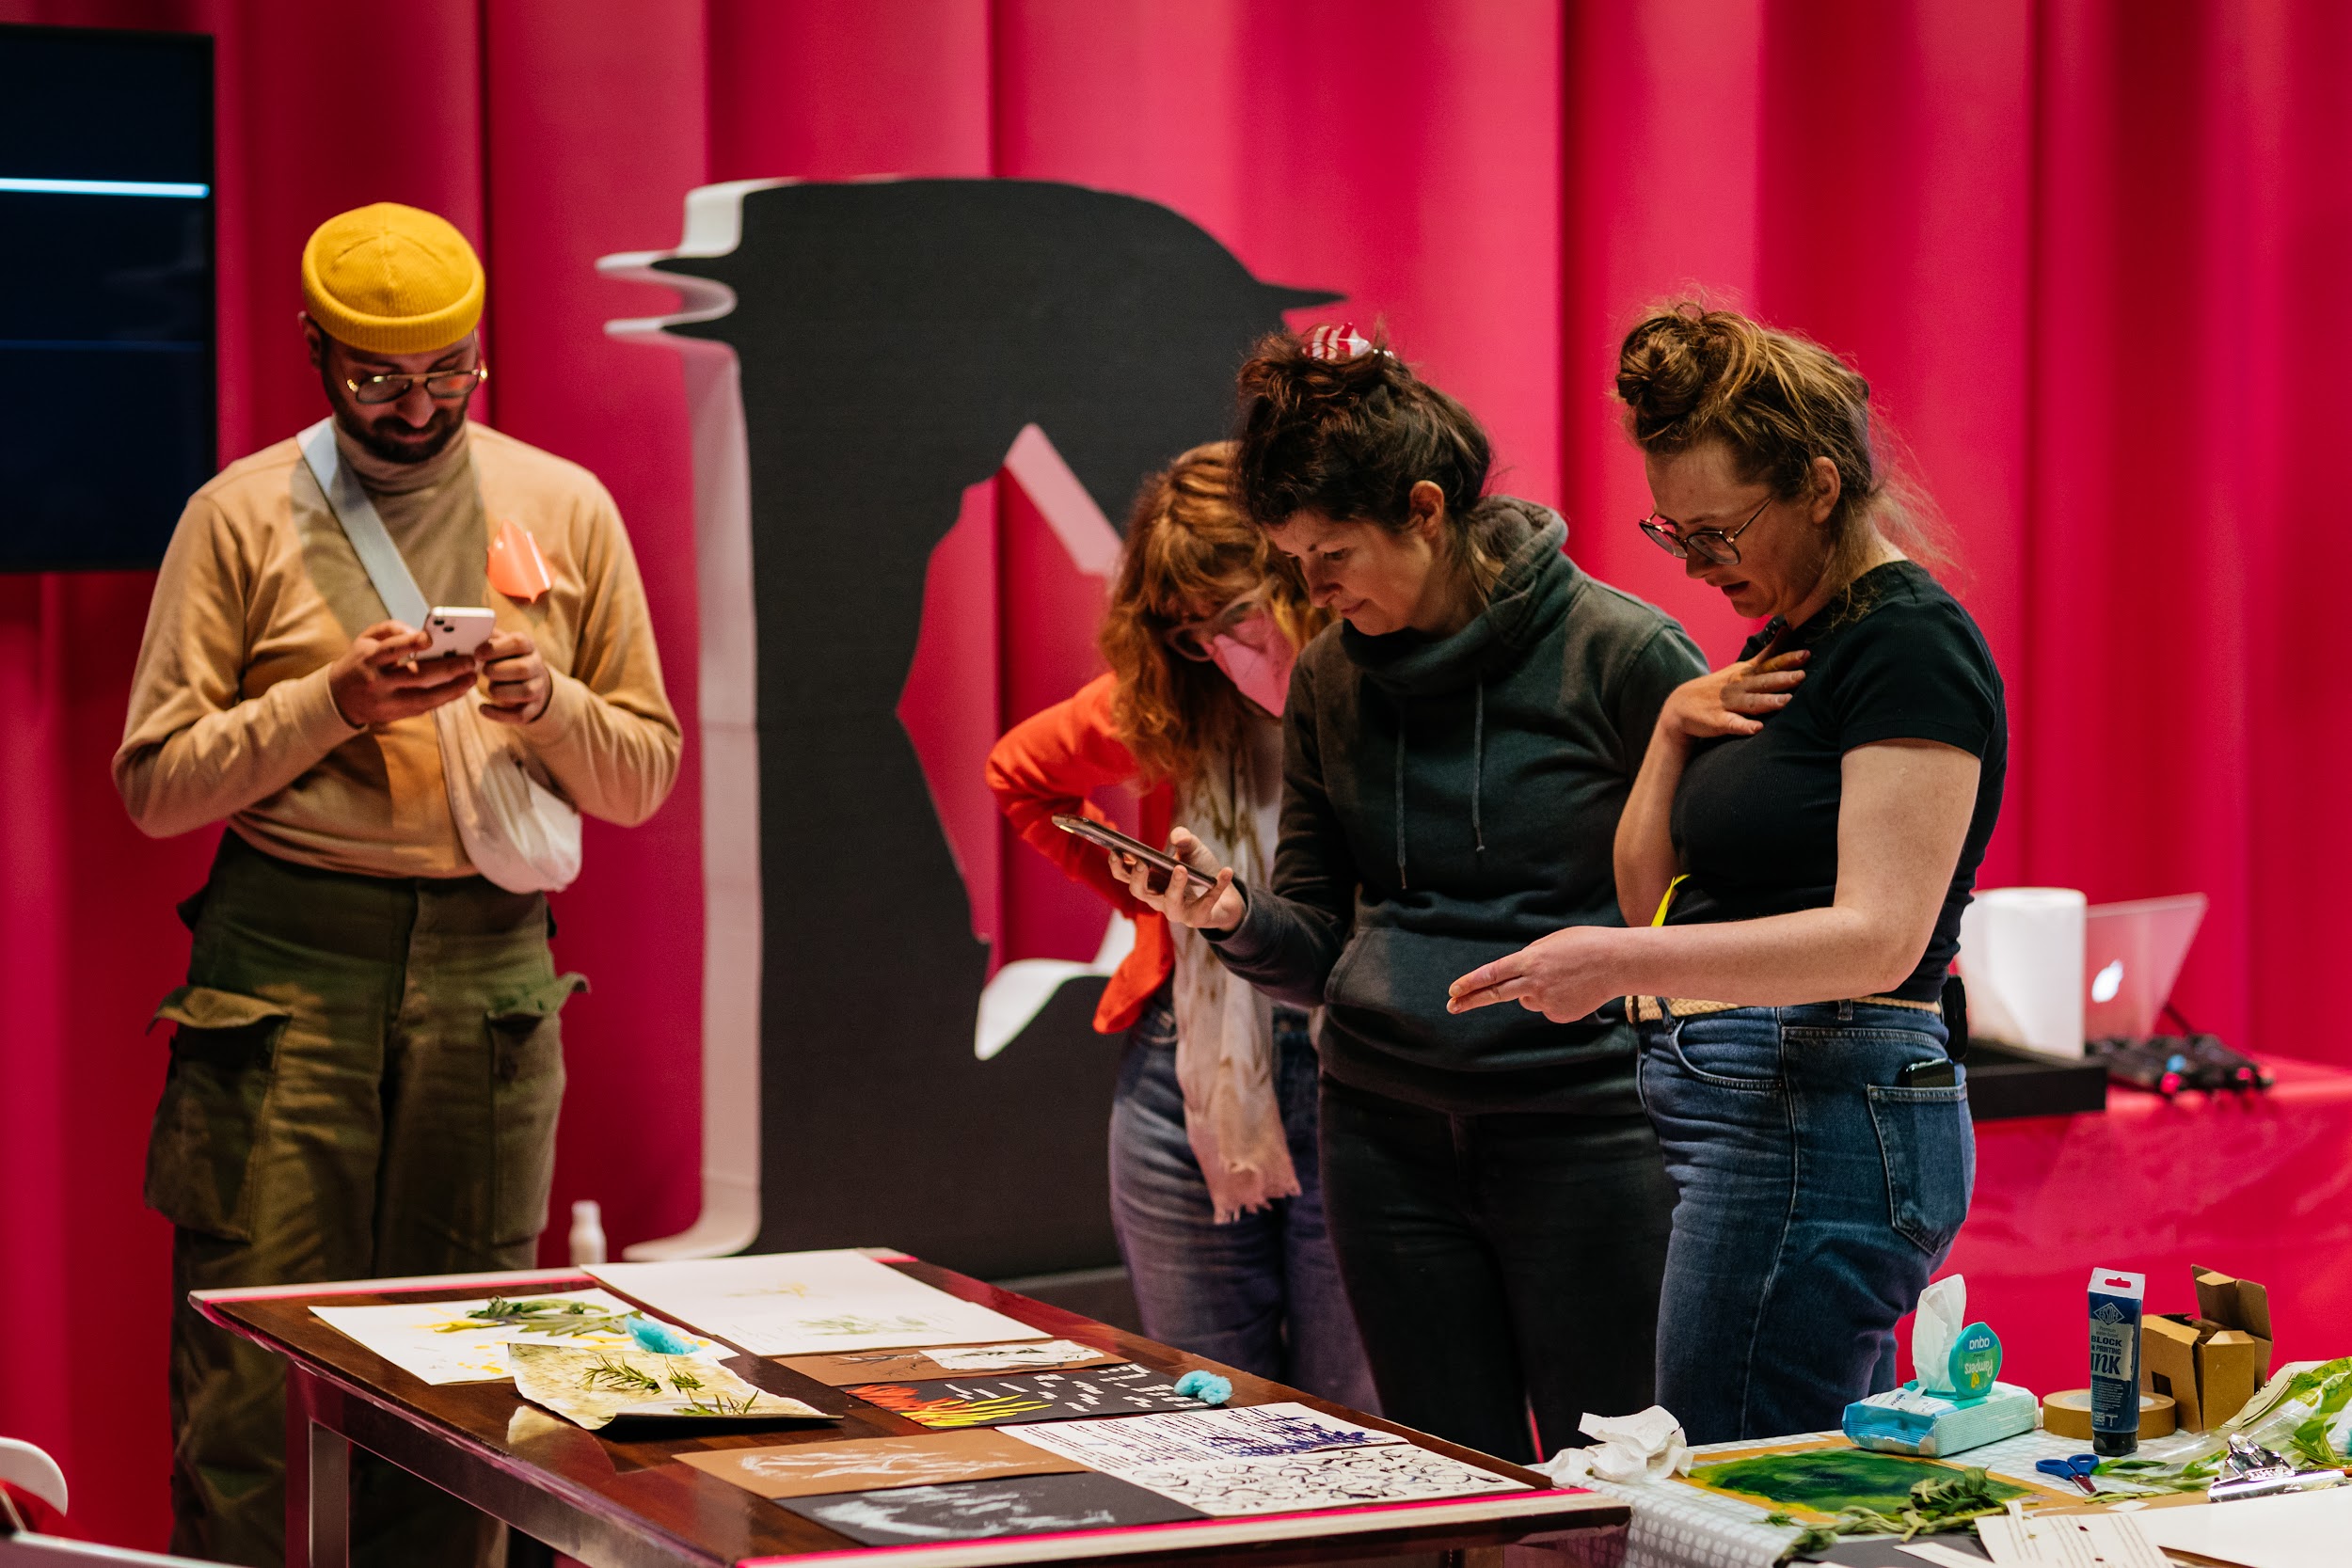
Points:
(1455, 758)
(1806, 828)
(1214, 1192)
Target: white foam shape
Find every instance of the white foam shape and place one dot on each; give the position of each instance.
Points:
(1019, 991)
(24, 1465)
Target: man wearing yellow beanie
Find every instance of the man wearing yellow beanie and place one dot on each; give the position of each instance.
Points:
(367, 1066)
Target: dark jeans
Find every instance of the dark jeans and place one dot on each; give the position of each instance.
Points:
(1261, 1293)
(1818, 1195)
(1499, 1263)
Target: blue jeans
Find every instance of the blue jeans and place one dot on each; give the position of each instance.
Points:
(1262, 1294)
(1816, 1196)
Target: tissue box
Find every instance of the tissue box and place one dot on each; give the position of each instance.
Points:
(2212, 1363)
(1931, 1426)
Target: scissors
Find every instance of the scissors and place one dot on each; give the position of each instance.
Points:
(2077, 1469)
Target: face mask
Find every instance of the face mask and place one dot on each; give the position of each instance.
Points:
(1258, 661)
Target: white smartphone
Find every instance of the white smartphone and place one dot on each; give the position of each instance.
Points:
(457, 629)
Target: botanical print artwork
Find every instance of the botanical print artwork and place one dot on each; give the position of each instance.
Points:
(1332, 1477)
(1121, 1389)
(595, 1387)
(465, 1342)
(1814, 1483)
(1243, 1432)
(1024, 1505)
(810, 1302)
(875, 1464)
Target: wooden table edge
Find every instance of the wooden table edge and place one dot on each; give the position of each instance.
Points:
(1540, 1509)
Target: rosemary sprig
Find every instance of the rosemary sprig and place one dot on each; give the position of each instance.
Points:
(619, 1376)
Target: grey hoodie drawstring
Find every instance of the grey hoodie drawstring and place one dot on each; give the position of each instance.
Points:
(1402, 881)
(1478, 764)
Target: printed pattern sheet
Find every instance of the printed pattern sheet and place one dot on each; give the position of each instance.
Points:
(1329, 1478)
(1243, 1432)
(809, 1303)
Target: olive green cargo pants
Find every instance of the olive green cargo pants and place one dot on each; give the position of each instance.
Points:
(364, 1081)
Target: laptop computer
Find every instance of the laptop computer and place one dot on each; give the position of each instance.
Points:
(2132, 954)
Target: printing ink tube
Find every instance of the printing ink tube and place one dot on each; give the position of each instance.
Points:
(2115, 1299)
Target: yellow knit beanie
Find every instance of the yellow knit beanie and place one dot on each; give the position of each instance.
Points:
(391, 279)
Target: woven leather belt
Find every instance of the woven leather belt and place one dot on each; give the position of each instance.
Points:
(1645, 1009)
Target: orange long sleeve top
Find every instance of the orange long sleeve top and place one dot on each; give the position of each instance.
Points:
(1046, 766)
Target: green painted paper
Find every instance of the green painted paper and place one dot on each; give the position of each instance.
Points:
(1826, 1481)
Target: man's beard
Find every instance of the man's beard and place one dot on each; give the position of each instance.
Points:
(421, 445)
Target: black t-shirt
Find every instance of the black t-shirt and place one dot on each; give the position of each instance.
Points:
(1755, 818)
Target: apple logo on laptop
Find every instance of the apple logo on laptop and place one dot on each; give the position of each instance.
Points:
(2109, 980)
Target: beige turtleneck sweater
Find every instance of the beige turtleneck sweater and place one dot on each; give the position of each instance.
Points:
(260, 593)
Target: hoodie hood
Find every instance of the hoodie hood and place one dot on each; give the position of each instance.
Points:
(1534, 590)
(1532, 593)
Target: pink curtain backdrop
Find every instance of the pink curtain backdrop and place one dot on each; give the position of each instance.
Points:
(2080, 248)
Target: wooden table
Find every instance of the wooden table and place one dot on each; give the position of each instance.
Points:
(613, 1504)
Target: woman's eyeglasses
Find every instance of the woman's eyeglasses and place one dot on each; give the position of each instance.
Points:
(1711, 544)
(1192, 639)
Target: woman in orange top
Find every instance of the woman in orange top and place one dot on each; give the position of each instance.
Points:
(1214, 1192)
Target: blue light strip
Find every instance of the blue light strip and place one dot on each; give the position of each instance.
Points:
(105, 187)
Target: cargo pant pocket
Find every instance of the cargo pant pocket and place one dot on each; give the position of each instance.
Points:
(224, 1051)
(1929, 1149)
(525, 1094)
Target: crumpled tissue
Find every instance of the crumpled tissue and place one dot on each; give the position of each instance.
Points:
(1942, 1313)
(1647, 1446)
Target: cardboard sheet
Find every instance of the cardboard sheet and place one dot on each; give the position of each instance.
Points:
(1123, 1388)
(1246, 1431)
(807, 1303)
(1020, 1505)
(878, 1463)
(913, 1365)
(457, 1341)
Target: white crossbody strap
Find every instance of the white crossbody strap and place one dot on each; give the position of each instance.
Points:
(402, 600)
(518, 832)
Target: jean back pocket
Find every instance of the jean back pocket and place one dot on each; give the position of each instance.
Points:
(1930, 1149)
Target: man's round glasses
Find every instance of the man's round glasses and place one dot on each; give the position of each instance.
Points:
(440, 386)
(1711, 544)
(1192, 639)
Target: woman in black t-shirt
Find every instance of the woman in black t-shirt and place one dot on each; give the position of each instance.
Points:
(1806, 828)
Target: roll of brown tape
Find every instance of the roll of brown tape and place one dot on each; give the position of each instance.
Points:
(2067, 1414)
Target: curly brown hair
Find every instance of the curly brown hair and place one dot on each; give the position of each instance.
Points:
(1688, 376)
(1189, 554)
(1351, 438)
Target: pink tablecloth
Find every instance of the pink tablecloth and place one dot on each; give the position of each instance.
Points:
(2258, 1186)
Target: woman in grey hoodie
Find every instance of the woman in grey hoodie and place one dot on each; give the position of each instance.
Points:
(1456, 755)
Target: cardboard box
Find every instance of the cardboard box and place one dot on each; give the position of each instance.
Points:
(2212, 1363)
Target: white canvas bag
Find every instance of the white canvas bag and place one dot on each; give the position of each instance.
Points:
(518, 831)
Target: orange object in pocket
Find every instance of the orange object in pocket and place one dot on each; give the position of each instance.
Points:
(518, 569)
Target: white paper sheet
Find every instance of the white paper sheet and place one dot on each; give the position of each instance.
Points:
(2069, 1541)
(1128, 1443)
(1329, 1478)
(438, 1343)
(809, 1303)
(1012, 1358)
(2299, 1530)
